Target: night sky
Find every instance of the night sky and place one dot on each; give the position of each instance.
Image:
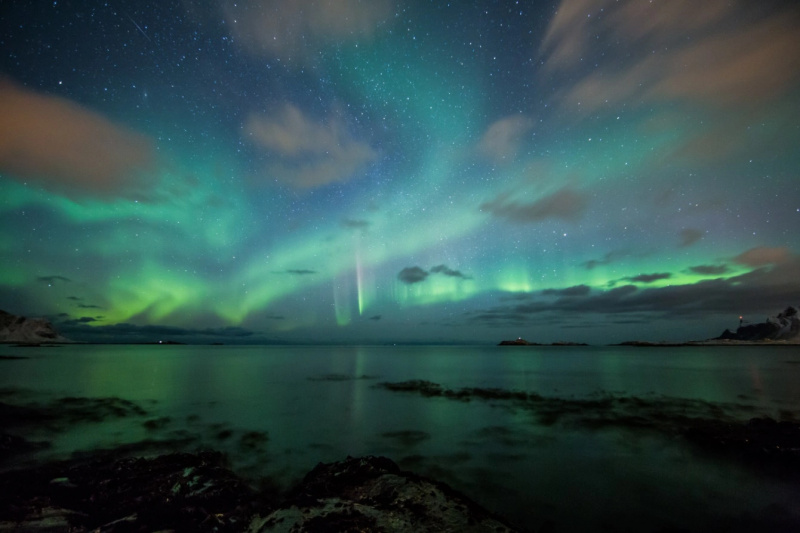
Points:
(399, 171)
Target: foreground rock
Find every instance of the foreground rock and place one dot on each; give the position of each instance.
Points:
(22, 330)
(762, 441)
(195, 492)
(182, 492)
(373, 494)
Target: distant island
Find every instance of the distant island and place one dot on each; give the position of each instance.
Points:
(781, 329)
(522, 342)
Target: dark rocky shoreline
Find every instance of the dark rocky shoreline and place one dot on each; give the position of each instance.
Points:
(155, 485)
(197, 492)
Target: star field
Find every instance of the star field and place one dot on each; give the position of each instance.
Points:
(399, 171)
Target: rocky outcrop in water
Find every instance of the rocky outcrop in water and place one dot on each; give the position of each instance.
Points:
(373, 494)
(22, 330)
(181, 492)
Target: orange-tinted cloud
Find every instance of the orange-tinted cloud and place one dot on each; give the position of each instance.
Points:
(715, 52)
(565, 203)
(689, 236)
(308, 153)
(501, 140)
(294, 30)
(764, 256)
(67, 148)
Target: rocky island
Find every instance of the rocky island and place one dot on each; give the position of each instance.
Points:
(522, 342)
(781, 329)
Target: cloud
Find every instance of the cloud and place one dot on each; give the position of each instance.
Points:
(763, 256)
(376, 317)
(649, 278)
(309, 154)
(67, 148)
(710, 270)
(52, 279)
(714, 52)
(689, 236)
(133, 332)
(761, 291)
(77, 321)
(411, 275)
(294, 31)
(355, 224)
(443, 269)
(566, 204)
(88, 306)
(609, 257)
(576, 290)
(501, 140)
(300, 271)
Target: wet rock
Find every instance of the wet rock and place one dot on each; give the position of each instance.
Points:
(182, 492)
(11, 445)
(195, 492)
(761, 440)
(373, 494)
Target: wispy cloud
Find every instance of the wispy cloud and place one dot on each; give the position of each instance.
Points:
(710, 270)
(300, 271)
(350, 223)
(760, 291)
(411, 275)
(689, 236)
(576, 290)
(715, 52)
(80, 328)
(566, 204)
(52, 279)
(763, 256)
(445, 270)
(294, 31)
(307, 153)
(649, 278)
(503, 137)
(68, 148)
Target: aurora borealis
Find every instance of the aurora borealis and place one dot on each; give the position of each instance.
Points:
(399, 171)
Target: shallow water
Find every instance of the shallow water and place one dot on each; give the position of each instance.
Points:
(277, 411)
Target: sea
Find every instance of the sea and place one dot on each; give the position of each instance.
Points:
(556, 439)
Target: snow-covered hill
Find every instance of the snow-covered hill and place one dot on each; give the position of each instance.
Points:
(785, 326)
(19, 329)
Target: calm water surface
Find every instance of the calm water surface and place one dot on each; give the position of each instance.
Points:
(277, 411)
